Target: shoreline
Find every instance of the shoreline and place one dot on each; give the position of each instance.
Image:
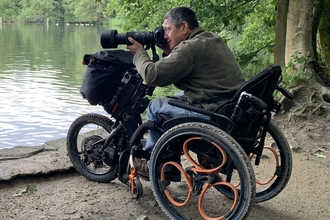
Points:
(19, 161)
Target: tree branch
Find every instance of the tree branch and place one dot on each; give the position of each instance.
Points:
(251, 55)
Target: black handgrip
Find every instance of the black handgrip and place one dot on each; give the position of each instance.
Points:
(285, 92)
(252, 99)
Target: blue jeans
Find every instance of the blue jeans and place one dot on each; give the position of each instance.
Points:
(160, 105)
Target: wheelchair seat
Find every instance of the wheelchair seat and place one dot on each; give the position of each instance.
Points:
(247, 114)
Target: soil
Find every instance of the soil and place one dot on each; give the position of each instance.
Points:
(68, 195)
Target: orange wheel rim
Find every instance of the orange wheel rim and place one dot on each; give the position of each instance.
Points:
(198, 167)
(277, 162)
(187, 179)
(201, 197)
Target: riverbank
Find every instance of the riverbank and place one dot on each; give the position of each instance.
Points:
(40, 183)
(48, 158)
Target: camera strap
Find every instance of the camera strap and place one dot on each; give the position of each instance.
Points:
(155, 56)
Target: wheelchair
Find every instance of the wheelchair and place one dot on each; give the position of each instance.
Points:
(208, 169)
(220, 160)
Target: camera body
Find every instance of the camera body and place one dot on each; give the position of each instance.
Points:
(111, 38)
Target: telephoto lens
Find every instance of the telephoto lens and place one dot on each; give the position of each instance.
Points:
(111, 38)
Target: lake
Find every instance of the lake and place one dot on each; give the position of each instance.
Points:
(40, 75)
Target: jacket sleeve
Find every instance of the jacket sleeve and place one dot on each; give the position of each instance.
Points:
(166, 71)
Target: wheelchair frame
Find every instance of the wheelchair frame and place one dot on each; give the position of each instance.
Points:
(208, 155)
(246, 119)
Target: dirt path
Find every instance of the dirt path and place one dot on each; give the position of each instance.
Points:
(70, 196)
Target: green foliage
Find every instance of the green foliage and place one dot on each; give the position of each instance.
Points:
(222, 15)
(35, 10)
(9, 9)
(215, 15)
(258, 37)
(165, 91)
(138, 16)
(295, 74)
(56, 10)
(87, 11)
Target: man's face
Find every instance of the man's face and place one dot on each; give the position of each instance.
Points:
(174, 35)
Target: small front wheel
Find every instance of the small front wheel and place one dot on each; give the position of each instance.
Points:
(135, 188)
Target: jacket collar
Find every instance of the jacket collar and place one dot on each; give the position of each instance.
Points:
(195, 32)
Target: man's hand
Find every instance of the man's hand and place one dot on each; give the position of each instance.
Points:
(135, 45)
(165, 48)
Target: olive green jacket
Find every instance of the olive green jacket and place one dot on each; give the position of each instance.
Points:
(202, 66)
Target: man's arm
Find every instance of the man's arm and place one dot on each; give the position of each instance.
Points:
(166, 71)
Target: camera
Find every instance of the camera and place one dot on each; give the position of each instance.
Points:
(111, 38)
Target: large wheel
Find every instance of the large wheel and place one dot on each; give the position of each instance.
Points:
(85, 145)
(274, 170)
(185, 189)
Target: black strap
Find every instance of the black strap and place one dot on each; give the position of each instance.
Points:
(222, 97)
(155, 56)
(115, 56)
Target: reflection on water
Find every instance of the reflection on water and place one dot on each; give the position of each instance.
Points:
(39, 83)
(37, 107)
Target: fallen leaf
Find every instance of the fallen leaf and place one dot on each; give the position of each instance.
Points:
(28, 190)
(320, 155)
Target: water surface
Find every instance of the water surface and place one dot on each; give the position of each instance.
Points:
(40, 76)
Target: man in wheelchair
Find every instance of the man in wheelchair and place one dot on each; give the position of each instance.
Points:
(196, 61)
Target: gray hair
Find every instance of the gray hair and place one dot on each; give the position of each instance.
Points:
(181, 14)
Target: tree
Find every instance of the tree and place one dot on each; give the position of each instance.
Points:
(257, 39)
(324, 32)
(216, 15)
(299, 29)
(58, 12)
(301, 57)
(84, 10)
(54, 10)
(35, 10)
(280, 32)
(9, 9)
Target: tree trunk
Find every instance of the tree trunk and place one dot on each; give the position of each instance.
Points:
(280, 32)
(299, 30)
(318, 8)
(324, 33)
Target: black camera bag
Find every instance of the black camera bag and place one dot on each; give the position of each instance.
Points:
(104, 72)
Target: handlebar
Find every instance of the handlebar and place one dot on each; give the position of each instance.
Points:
(252, 99)
(285, 92)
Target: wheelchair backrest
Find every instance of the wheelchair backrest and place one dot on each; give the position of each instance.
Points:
(252, 120)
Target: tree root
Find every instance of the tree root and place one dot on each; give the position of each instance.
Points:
(313, 99)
